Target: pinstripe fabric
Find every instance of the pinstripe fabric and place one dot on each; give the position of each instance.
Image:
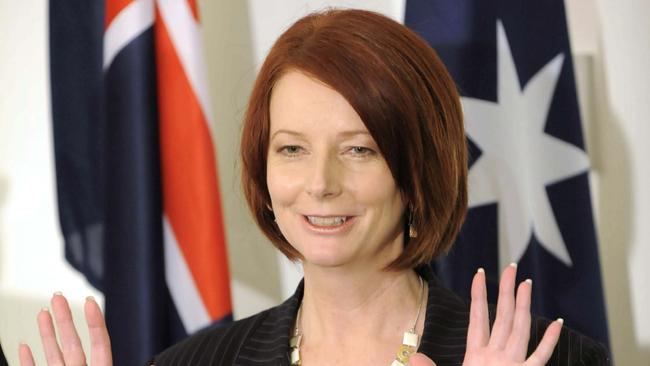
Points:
(263, 338)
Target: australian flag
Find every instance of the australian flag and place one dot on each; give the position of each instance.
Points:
(136, 174)
(529, 170)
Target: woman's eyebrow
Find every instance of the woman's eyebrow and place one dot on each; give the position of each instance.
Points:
(288, 132)
(340, 134)
(353, 133)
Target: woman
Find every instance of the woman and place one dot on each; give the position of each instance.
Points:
(354, 164)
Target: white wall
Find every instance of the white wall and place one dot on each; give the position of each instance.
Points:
(31, 265)
(610, 39)
(618, 140)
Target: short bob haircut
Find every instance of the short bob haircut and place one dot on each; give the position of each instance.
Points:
(405, 97)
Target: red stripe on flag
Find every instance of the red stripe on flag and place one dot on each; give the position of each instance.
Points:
(195, 9)
(191, 197)
(113, 8)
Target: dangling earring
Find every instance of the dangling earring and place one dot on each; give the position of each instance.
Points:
(413, 232)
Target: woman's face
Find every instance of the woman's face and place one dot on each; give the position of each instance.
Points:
(332, 193)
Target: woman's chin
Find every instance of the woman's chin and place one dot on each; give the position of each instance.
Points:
(339, 255)
(326, 259)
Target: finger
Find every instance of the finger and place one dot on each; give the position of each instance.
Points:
(517, 345)
(48, 338)
(73, 353)
(478, 332)
(25, 355)
(505, 309)
(100, 344)
(546, 346)
(418, 359)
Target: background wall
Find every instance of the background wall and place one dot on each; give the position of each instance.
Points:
(618, 133)
(611, 46)
(31, 259)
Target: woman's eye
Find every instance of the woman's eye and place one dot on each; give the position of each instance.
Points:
(360, 151)
(290, 150)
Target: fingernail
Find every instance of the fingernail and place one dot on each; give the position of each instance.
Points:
(57, 293)
(481, 270)
(90, 298)
(45, 309)
(560, 320)
(513, 264)
(530, 282)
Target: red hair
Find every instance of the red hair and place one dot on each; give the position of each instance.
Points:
(405, 97)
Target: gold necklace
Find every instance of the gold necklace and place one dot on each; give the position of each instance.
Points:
(409, 344)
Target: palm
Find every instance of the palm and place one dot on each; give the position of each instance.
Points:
(68, 350)
(508, 343)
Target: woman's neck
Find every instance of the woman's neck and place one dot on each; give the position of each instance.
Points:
(342, 306)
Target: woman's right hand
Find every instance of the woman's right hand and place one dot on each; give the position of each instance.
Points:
(69, 351)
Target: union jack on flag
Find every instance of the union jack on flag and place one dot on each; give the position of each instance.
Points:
(137, 180)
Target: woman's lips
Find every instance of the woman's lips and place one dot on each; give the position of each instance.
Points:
(330, 229)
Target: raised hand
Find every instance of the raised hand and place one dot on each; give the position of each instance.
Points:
(508, 343)
(69, 351)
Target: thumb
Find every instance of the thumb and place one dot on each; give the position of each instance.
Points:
(418, 359)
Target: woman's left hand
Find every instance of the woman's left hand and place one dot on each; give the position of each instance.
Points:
(508, 343)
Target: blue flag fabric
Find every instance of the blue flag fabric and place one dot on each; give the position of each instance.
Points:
(108, 177)
(528, 178)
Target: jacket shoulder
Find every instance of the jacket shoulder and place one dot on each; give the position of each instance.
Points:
(211, 346)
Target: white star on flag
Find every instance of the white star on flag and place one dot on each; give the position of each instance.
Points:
(519, 160)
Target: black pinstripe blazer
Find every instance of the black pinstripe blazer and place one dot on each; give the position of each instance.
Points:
(263, 339)
(3, 360)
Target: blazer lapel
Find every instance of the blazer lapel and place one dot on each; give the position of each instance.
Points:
(269, 343)
(446, 322)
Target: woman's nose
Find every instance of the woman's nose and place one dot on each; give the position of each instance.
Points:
(324, 178)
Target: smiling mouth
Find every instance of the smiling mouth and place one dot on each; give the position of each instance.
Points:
(330, 221)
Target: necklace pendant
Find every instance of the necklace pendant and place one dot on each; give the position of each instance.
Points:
(408, 347)
(294, 343)
(295, 357)
(410, 339)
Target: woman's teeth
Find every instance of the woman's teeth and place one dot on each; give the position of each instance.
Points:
(326, 221)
